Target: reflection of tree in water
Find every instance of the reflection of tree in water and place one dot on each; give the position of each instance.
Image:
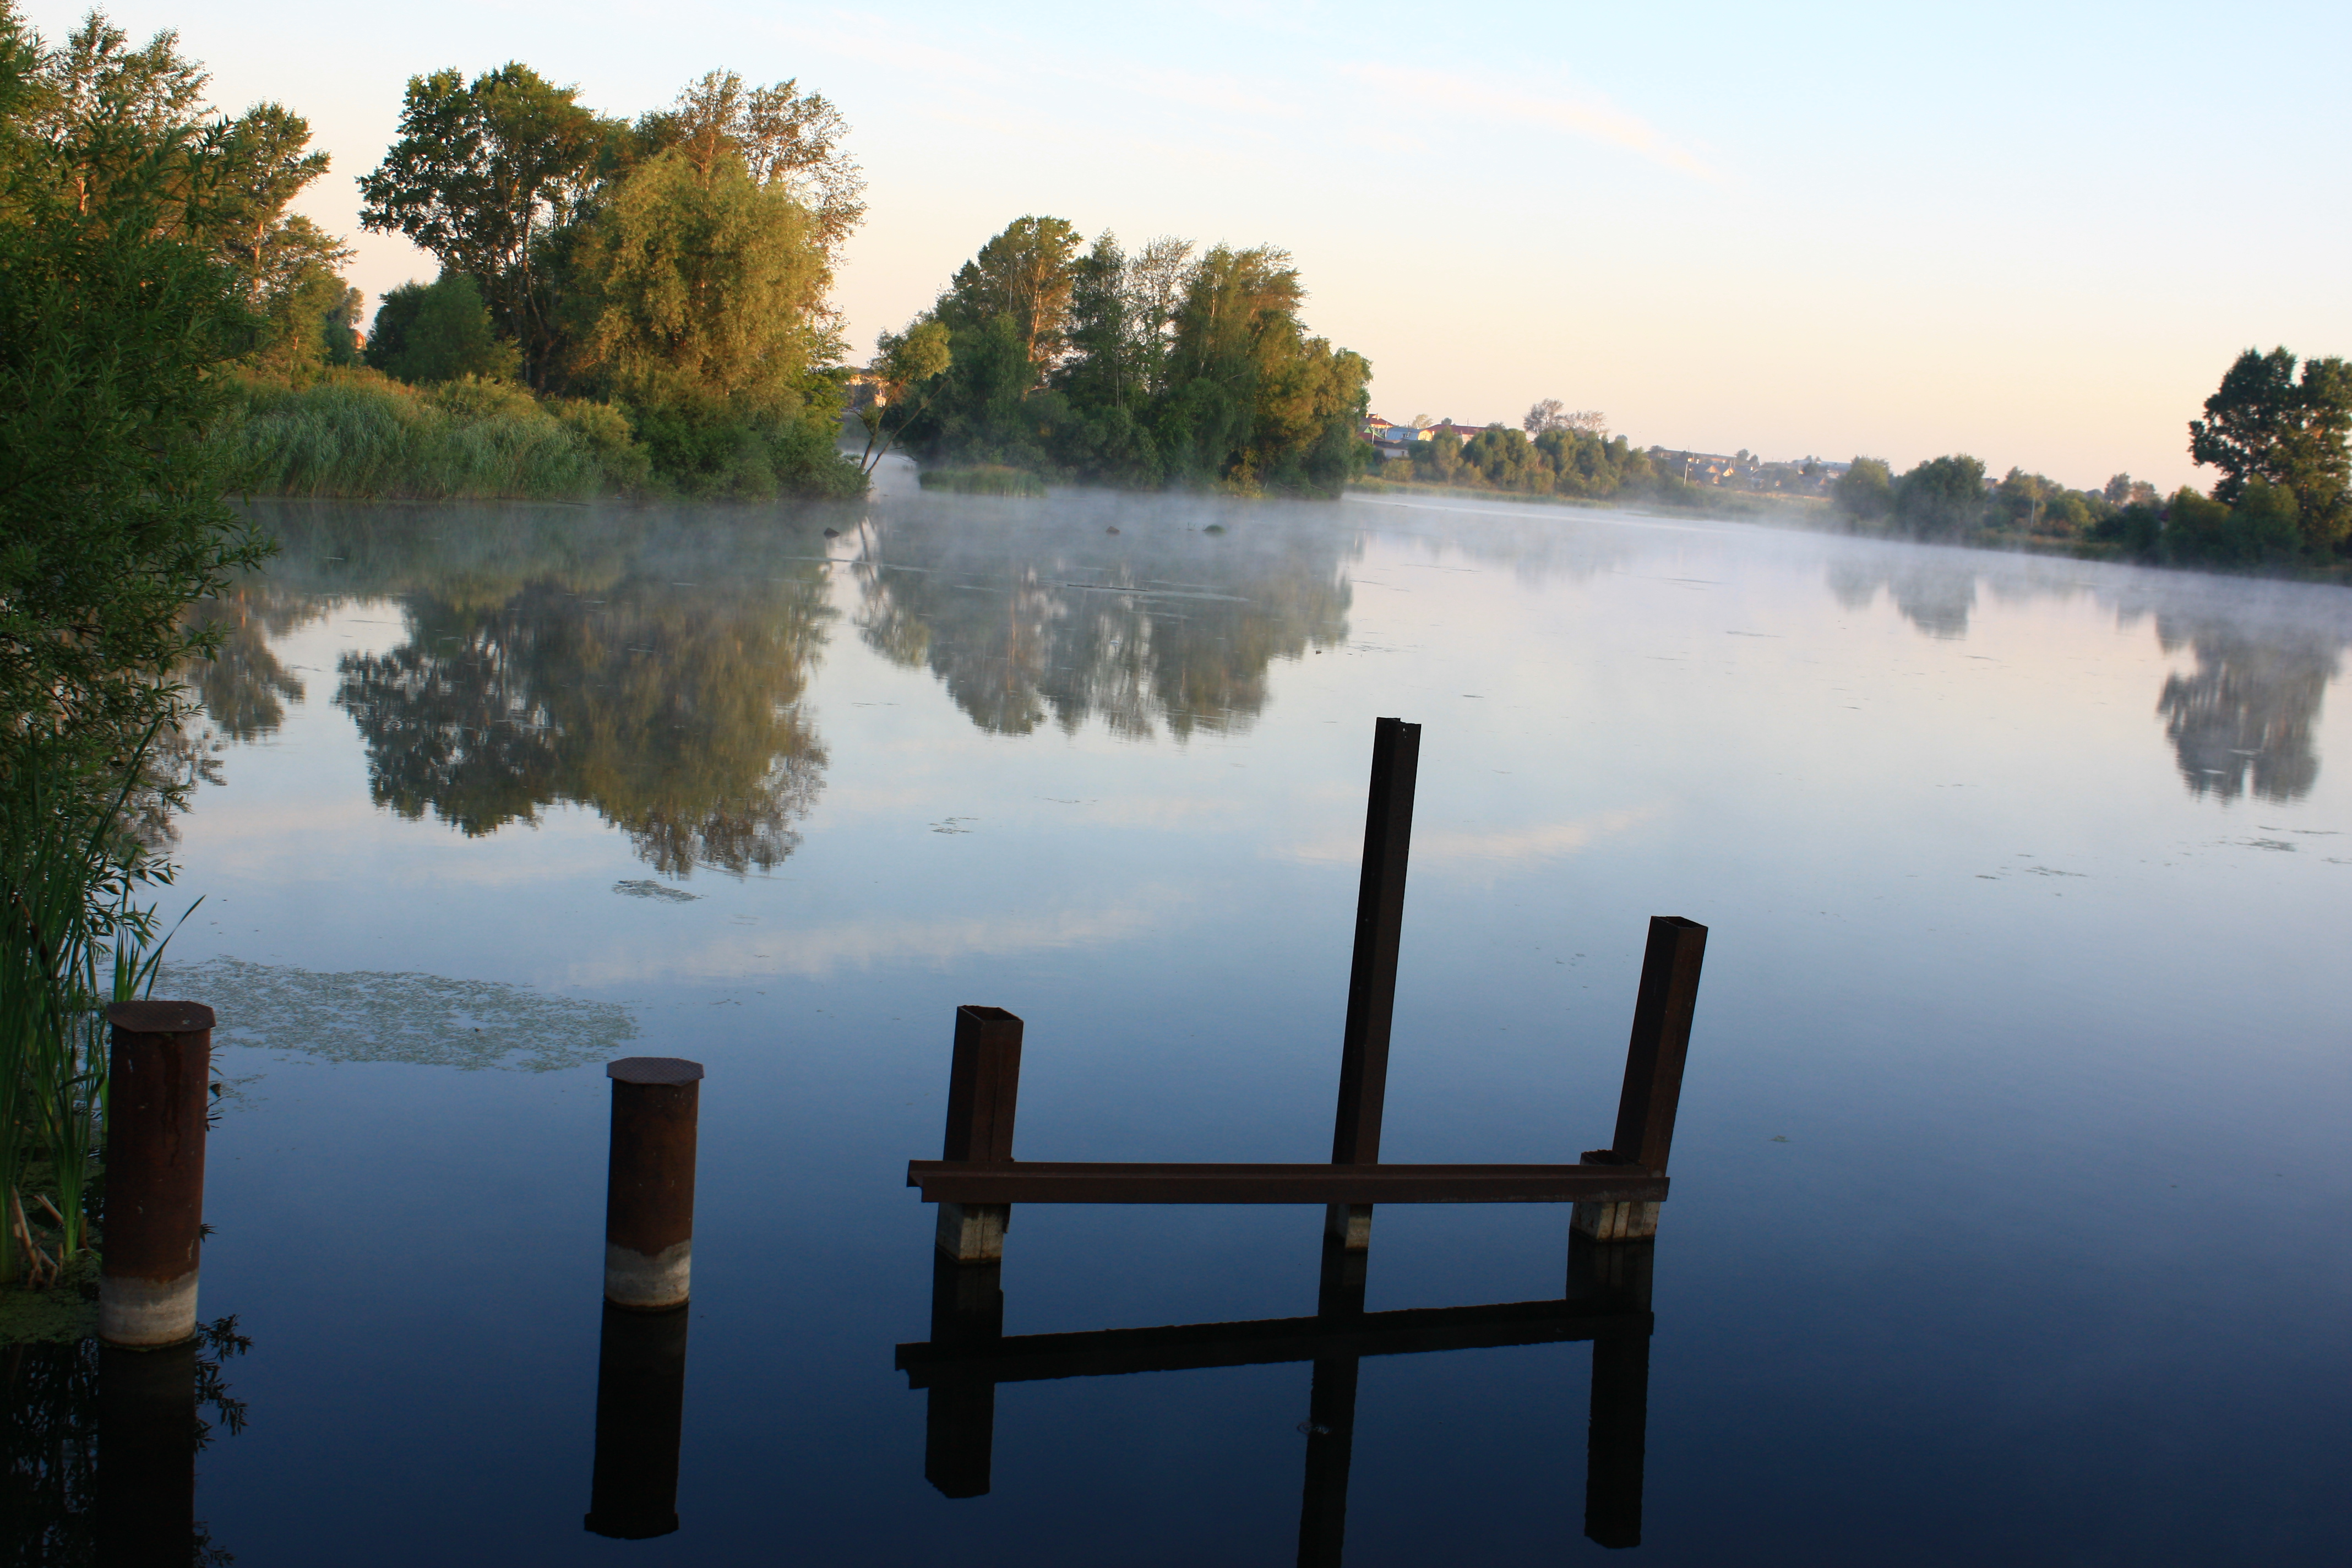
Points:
(244, 687)
(1159, 626)
(672, 710)
(1934, 595)
(2243, 718)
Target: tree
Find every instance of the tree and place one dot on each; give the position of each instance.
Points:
(2264, 423)
(438, 332)
(482, 172)
(1549, 414)
(1941, 496)
(784, 138)
(1865, 491)
(1025, 273)
(115, 323)
(903, 362)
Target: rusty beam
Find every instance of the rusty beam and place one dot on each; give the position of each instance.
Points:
(1063, 1181)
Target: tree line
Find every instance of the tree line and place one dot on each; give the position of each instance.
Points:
(1169, 366)
(2277, 435)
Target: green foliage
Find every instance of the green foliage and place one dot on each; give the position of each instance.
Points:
(701, 284)
(1142, 370)
(2264, 425)
(355, 433)
(438, 332)
(1564, 460)
(481, 171)
(113, 324)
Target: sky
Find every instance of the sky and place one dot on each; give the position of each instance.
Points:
(2036, 233)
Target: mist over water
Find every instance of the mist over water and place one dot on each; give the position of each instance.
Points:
(2011, 1148)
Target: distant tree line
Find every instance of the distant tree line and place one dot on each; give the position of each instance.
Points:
(1161, 368)
(2284, 497)
(1556, 458)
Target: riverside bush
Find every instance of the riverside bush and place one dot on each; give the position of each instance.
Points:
(360, 434)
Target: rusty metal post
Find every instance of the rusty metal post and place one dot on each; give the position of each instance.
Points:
(146, 1492)
(649, 1190)
(1654, 1073)
(640, 1421)
(159, 1066)
(1371, 979)
(983, 1092)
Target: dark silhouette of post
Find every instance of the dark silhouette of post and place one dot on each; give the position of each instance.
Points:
(1371, 979)
(984, 1091)
(1331, 1413)
(640, 1421)
(146, 1502)
(160, 1066)
(1654, 1073)
(959, 1414)
(649, 1183)
(1615, 1276)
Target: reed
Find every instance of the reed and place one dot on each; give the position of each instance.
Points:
(72, 939)
(356, 435)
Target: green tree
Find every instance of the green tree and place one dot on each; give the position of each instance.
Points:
(905, 365)
(2264, 423)
(482, 171)
(1941, 497)
(427, 333)
(114, 323)
(786, 138)
(1025, 273)
(1865, 491)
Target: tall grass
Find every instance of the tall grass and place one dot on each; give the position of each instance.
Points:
(71, 940)
(360, 435)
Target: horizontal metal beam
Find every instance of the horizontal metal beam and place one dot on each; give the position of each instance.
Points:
(1061, 1182)
(1111, 1352)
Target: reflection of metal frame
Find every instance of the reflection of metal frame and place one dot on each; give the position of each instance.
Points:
(1616, 1191)
(1608, 1302)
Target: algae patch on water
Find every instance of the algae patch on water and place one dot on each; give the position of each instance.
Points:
(367, 1015)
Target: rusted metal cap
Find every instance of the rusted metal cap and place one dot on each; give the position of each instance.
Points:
(654, 1069)
(159, 1017)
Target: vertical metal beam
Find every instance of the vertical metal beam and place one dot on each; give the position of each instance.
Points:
(160, 1066)
(1654, 1073)
(983, 1094)
(1371, 980)
(649, 1183)
(640, 1421)
(1662, 1026)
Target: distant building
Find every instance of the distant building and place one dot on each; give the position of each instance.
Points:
(1745, 471)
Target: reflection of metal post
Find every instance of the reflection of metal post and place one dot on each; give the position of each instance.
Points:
(984, 1091)
(960, 1417)
(640, 1420)
(159, 1065)
(1617, 1274)
(146, 1502)
(649, 1186)
(1371, 979)
(1331, 1416)
(1654, 1073)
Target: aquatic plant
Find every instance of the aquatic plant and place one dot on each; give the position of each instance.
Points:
(356, 433)
(72, 939)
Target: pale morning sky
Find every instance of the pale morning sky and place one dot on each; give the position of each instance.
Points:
(2033, 233)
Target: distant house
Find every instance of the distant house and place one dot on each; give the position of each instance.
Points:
(1745, 471)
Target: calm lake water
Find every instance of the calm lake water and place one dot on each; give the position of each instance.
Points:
(2010, 1185)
